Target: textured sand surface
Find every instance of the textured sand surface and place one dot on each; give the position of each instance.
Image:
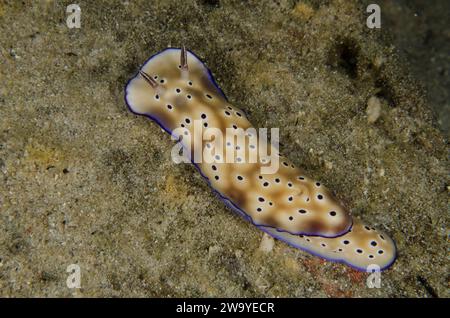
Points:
(84, 181)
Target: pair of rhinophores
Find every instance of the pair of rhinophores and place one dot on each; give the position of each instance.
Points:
(175, 89)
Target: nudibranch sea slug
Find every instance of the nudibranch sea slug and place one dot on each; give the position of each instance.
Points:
(175, 89)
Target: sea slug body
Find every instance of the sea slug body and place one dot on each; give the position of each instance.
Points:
(175, 89)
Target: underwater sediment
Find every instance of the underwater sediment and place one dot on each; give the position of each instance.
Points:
(85, 182)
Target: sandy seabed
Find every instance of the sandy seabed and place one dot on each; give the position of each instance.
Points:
(83, 181)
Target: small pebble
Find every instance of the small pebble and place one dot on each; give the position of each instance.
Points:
(267, 243)
(373, 109)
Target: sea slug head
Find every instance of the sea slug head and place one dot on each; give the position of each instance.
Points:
(168, 91)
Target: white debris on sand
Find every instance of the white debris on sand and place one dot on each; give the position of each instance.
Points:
(373, 109)
(267, 243)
